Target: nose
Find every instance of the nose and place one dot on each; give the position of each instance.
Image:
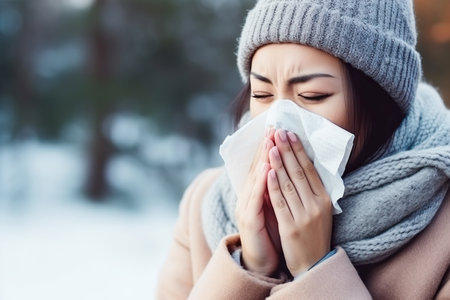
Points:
(284, 95)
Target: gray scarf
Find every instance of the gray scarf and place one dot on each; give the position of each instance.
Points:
(386, 202)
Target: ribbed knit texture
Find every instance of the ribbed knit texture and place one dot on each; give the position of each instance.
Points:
(377, 37)
(386, 202)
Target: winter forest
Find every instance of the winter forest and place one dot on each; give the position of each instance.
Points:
(108, 110)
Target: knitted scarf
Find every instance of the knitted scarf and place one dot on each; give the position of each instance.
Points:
(386, 202)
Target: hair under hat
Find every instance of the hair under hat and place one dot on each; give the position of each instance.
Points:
(377, 37)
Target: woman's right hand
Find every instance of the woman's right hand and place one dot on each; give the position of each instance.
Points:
(259, 254)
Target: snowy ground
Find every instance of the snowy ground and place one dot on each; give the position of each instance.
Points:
(56, 245)
(81, 254)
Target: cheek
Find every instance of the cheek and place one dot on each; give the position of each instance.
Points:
(257, 108)
(336, 112)
(340, 117)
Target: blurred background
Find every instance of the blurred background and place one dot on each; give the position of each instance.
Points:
(108, 109)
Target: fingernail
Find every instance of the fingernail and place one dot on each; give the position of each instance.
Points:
(263, 167)
(269, 131)
(282, 135)
(266, 143)
(275, 152)
(292, 137)
(272, 174)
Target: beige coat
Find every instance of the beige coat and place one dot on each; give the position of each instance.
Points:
(420, 270)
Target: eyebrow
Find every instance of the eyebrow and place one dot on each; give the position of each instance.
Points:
(297, 79)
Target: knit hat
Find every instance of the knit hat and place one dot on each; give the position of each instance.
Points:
(377, 37)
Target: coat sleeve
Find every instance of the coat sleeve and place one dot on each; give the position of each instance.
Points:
(224, 279)
(191, 272)
(334, 278)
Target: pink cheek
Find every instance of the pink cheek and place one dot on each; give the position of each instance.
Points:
(256, 109)
(342, 121)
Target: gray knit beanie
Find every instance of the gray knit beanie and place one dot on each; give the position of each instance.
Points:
(377, 37)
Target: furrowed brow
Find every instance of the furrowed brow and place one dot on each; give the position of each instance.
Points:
(260, 77)
(308, 77)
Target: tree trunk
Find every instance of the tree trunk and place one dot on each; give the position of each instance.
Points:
(100, 150)
(22, 84)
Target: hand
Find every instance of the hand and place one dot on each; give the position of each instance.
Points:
(259, 252)
(301, 204)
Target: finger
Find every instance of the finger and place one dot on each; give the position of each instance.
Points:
(244, 199)
(257, 158)
(293, 168)
(272, 224)
(256, 199)
(308, 167)
(280, 207)
(268, 145)
(261, 158)
(270, 131)
(287, 188)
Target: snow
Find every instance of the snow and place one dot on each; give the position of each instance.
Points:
(54, 244)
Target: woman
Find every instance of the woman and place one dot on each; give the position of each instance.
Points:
(355, 64)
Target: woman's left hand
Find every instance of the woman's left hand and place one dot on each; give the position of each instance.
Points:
(300, 202)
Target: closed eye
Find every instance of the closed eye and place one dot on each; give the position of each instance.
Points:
(312, 97)
(256, 96)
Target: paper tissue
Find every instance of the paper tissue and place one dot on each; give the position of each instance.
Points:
(326, 144)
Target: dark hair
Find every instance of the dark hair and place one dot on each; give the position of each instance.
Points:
(374, 113)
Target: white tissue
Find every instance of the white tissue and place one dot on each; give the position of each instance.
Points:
(326, 144)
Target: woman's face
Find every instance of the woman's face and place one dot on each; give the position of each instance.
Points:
(311, 78)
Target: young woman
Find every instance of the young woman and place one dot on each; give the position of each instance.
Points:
(355, 64)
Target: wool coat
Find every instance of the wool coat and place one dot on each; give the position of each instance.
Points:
(419, 270)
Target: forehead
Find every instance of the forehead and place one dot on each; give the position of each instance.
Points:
(293, 58)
